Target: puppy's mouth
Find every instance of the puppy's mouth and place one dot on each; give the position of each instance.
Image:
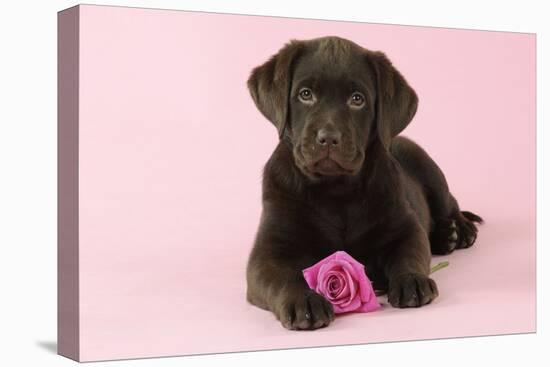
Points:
(330, 164)
(328, 167)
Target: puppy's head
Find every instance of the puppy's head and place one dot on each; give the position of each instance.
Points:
(332, 98)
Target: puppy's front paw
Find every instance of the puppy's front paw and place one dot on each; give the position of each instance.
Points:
(411, 290)
(305, 311)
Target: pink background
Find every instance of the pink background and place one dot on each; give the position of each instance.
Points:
(171, 151)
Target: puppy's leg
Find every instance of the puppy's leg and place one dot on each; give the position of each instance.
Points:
(408, 268)
(279, 286)
(451, 228)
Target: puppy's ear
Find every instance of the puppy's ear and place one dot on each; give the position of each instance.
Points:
(396, 101)
(269, 85)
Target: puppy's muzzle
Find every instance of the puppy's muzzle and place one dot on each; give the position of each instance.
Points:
(327, 156)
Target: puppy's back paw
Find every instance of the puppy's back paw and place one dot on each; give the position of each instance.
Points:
(467, 229)
(459, 231)
(444, 237)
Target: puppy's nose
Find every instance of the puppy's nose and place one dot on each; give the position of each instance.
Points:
(328, 137)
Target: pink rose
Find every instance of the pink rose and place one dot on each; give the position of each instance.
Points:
(343, 282)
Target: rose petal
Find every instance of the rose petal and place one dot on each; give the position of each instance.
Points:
(325, 269)
(343, 287)
(335, 284)
(371, 305)
(351, 283)
(337, 278)
(310, 275)
(353, 305)
(325, 272)
(321, 276)
(350, 288)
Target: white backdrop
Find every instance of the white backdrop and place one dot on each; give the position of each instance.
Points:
(28, 181)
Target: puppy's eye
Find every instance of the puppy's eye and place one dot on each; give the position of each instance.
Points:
(306, 95)
(357, 100)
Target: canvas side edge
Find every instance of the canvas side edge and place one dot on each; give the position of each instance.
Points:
(68, 315)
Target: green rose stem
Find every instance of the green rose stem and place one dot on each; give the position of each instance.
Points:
(439, 266)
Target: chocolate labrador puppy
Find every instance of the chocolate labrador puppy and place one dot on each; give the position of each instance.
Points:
(341, 179)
